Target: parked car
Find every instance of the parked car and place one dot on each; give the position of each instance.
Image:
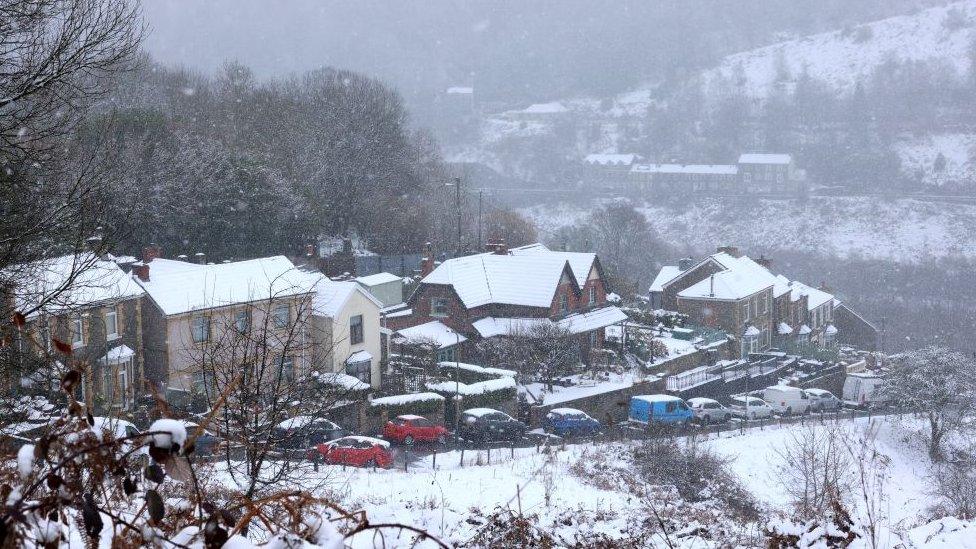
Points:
(358, 451)
(408, 429)
(822, 400)
(206, 443)
(749, 407)
(485, 424)
(787, 400)
(664, 409)
(570, 422)
(707, 410)
(306, 432)
(862, 390)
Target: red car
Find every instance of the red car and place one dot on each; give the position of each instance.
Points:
(358, 451)
(409, 429)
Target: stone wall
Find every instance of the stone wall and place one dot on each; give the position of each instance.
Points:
(611, 405)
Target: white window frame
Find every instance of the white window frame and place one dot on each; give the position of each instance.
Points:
(592, 295)
(114, 333)
(747, 308)
(77, 331)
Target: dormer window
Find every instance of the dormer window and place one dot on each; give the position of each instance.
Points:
(563, 303)
(592, 295)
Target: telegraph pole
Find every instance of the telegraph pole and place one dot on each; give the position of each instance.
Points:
(457, 206)
(481, 193)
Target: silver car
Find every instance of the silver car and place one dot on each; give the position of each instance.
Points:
(823, 401)
(749, 407)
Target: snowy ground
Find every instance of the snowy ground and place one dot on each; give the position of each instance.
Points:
(441, 500)
(901, 230)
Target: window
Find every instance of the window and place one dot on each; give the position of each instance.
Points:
(670, 407)
(242, 321)
(592, 295)
(288, 368)
(593, 339)
(764, 304)
(745, 311)
(360, 370)
(200, 329)
(563, 303)
(356, 329)
(281, 316)
(77, 332)
(111, 325)
(438, 307)
(203, 384)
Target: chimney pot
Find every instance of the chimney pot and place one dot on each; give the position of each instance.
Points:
(151, 252)
(200, 258)
(141, 270)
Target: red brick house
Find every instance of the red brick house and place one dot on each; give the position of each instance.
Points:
(507, 290)
(741, 296)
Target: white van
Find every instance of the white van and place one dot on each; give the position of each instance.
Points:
(787, 400)
(861, 390)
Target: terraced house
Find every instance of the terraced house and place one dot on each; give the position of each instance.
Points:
(742, 297)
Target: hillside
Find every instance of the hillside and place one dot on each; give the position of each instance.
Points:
(901, 230)
(842, 58)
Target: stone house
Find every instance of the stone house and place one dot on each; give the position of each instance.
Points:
(91, 304)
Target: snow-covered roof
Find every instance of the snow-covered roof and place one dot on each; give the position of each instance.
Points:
(478, 412)
(476, 368)
(784, 329)
(361, 438)
(611, 159)
(410, 416)
(528, 279)
(665, 275)
(741, 278)
(751, 331)
(180, 287)
(804, 330)
(815, 297)
(378, 278)
(656, 398)
(432, 331)
(830, 329)
(491, 326)
(701, 169)
(553, 107)
(592, 320)
(581, 263)
(701, 400)
(331, 296)
(460, 90)
(784, 388)
(120, 353)
(69, 282)
(359, 356)
(399, 400)
(478, 388)
(299, 422)
(759, 158)
(345, 381)
(568, 411)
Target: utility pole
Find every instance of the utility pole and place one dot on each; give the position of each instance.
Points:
(457, 206)
(481, 194)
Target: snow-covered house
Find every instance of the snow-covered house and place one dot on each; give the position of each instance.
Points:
(683, 179)
(345, 330)
(508, 291)
(608, 170)
(743, 297)
(91, 304)
(764, 173)
(203, 314)
(387, 288)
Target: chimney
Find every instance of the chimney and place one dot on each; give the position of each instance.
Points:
(427, 260)
(310, 250)
(685, 264)
(501, 248)
(151, 252)
(731, 250)
(141, 270)
(183, 257)
(200, 258)
(765, 262)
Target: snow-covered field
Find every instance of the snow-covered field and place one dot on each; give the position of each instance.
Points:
(901, 230)
(451, 501)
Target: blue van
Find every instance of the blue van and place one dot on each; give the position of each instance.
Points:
(570, 422)
(666, 409)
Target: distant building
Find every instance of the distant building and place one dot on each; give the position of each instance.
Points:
(387, 288)
(608, 171)
(755, 173)
(541, 112)
(767, 173)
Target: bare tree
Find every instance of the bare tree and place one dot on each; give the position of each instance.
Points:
(815, 470)
(938, 382)
(543, 350)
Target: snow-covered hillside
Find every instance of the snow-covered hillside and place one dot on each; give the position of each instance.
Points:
(902, 230)
(841, 58)
(919, 158)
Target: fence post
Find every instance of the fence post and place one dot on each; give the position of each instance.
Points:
(435, 459)
(406, 459)
(462, 457)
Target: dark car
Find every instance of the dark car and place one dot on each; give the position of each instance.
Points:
(569, 422)
(302, 432)
(486, 424)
